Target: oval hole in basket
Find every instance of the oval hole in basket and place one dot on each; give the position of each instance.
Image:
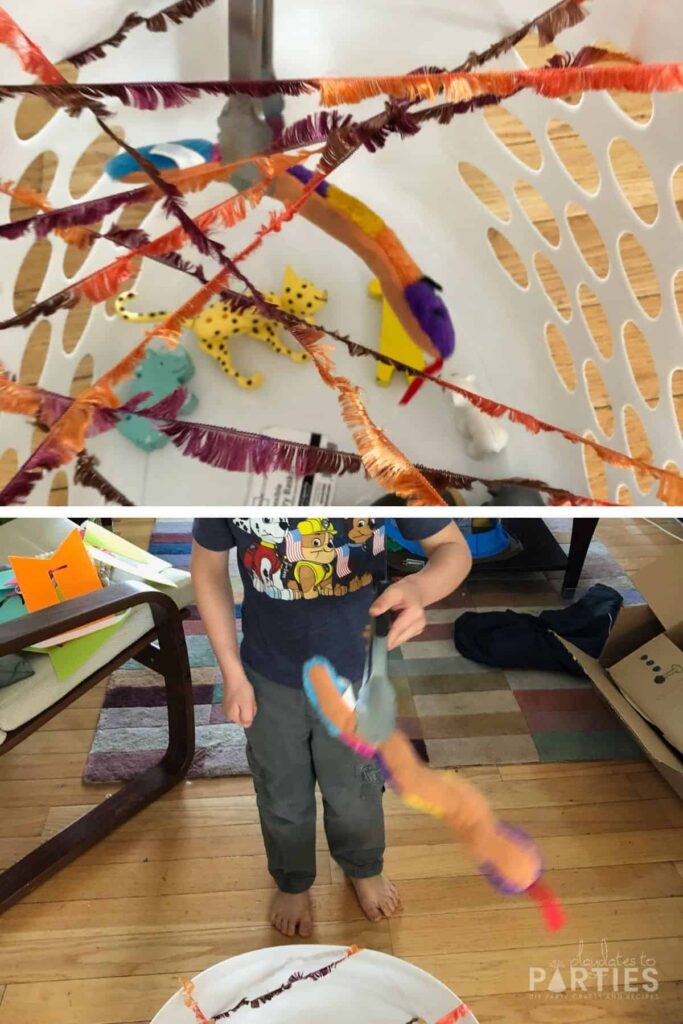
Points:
(37, 177)
(641, 274)
(553, 285)
(59, 489)
(89, 167)
(638, 446)
(678, 293)
(75, 256)
(514, 135)
(538, 210)
(624, 496)
(530, 51)
(596, 321)
(588, 239)
(35, 353)
(599, 397)
(634, 179)
(561, 355)
(677, 189)
(508, 257)
(9, 464)
(82, 377)
(486, 191)
(33, 113)
(75, 324)
(641, 361)
(596, 475)
(677, 397)
(575, 155)
(31, 274)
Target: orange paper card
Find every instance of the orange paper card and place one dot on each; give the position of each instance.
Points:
(66, 574)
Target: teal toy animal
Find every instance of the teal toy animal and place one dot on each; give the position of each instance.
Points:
(160, 373)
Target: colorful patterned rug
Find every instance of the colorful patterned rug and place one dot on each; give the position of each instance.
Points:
(456, 711)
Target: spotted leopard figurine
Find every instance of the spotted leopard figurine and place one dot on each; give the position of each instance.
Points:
(219, 323)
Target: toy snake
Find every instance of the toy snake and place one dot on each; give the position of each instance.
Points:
(505, 855)
(413, 296)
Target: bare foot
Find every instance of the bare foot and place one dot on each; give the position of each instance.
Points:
(378, 897)
(291, 913)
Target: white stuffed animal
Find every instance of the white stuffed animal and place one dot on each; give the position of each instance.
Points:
(484, 435)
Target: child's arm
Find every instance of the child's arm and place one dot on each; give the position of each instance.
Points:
(216, 605)
(449, 562)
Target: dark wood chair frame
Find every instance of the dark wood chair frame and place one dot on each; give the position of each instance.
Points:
(161, 649)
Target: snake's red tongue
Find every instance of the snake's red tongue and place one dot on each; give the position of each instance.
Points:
(416, 384)
(552, 911)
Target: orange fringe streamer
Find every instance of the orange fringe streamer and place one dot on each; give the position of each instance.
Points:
(31, 57)
(106, 283)
(552, 82)
(18, 398)
(191, 1002)
(383, 461)
(80, 237)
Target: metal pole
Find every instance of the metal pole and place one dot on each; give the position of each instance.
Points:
(246, 124)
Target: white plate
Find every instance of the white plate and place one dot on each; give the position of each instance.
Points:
(369, 988)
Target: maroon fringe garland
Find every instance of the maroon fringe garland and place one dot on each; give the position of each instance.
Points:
(88, 475)
(77, 215)
(152, 95)
(257, 1001)
(549, 24)
(176, 13)
(240, 451)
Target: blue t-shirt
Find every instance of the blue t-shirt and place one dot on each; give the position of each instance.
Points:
(308, 587)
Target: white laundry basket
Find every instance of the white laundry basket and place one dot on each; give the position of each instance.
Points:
(419, 186)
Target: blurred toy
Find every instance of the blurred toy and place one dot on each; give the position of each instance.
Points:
(160, 374)
(166, 157)
(394, 340)
(484, 435)
(412, 297)
(217, 324)
(506, 856)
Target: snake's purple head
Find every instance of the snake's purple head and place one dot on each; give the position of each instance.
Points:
(431, 313)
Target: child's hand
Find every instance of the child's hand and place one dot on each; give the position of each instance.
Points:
(405, 598)
(239, 703)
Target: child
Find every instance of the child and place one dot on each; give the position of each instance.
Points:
(307, 592)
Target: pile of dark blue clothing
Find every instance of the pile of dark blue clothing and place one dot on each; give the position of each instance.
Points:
(520, 640)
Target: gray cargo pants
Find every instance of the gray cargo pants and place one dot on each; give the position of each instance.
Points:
(288, 750)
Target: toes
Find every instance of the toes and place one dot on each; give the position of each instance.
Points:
(372, 911)
(305, 927)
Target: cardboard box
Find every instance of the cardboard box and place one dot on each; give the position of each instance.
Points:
(640, 670)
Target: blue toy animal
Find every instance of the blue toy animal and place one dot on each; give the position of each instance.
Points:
(160, 373)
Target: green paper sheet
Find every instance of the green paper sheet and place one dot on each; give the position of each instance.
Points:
(69, 657)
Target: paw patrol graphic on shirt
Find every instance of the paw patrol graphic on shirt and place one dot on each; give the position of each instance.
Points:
(293, 560)
(365, 541)
(311, 552)
(263, 560)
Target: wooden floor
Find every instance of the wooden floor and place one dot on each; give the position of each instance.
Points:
(630, 170)
(185, 884)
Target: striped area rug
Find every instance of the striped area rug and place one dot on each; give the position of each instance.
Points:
(455, 711)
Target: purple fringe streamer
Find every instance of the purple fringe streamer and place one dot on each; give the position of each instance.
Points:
(176, 13)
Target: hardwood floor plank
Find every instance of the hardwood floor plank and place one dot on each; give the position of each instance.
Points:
(564, 770)
(185, 950)
(16, 765)
(490, 973)
(513, 928)
(23, 821)
(444, 860)
(160, 878)
(522, 1008)
(420, 897)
